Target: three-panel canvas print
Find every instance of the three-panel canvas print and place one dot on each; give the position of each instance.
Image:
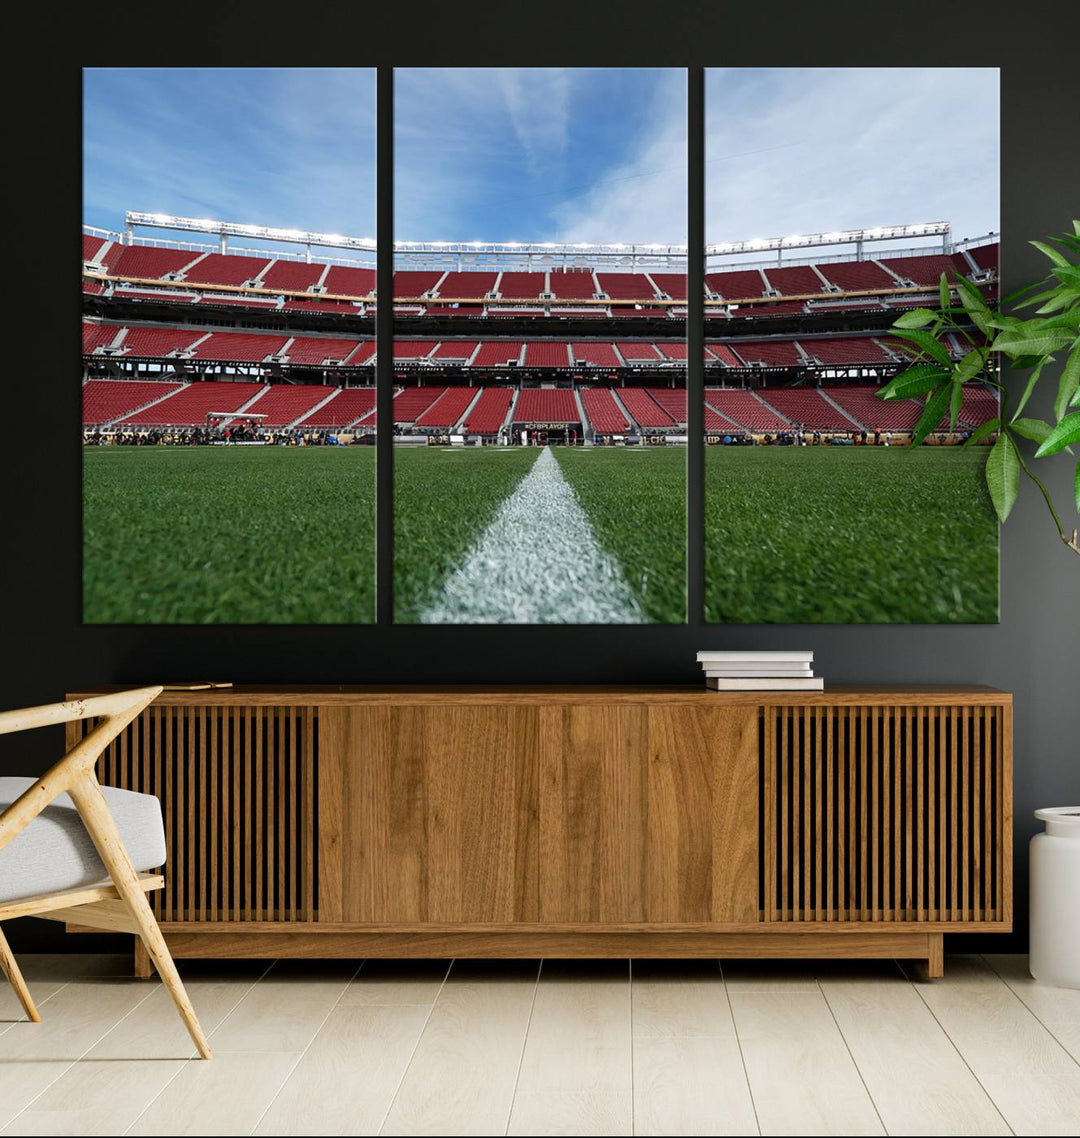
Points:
(542, 397)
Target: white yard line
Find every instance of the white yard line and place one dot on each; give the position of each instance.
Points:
(537, 563)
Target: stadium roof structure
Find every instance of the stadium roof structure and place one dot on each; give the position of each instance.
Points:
(540, 254)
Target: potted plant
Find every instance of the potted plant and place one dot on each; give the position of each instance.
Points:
(1031, 345)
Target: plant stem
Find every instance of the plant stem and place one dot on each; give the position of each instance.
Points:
(1071, 543)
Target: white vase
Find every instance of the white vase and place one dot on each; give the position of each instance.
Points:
(1055, 898)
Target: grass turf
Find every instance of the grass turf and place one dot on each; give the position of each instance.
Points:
(829, 535)
(636, 501)
(223, 535)
(443, 500)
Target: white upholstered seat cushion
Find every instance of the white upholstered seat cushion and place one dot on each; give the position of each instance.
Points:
(55, 852)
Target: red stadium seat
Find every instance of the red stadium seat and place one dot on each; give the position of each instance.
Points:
(411, 402)
(572, 284)
(745, 409)
(602, 410)
(807, 407)
(225, 269)
(285, 402)
(488, 413)
(546, 353)
(522, 286)
(448, 408)
(547, 405)
(347, 407)
(292, 276)
(189, 406)
(105, 400)
(594, 353)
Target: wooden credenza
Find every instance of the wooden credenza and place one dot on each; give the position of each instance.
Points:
(585, 821)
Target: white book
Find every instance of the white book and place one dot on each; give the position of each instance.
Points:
(757, 668)
(759, 674)
(811, 684)
(755, 657)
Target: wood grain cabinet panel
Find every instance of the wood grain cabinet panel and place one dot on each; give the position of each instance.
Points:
(648, 814)
(433, 814)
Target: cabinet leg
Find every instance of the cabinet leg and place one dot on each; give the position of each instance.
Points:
(935, 963)
(143, 970)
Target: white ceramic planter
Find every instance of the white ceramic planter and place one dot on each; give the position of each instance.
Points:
(1055, 898)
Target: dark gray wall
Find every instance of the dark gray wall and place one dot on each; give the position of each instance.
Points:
(1034, 652)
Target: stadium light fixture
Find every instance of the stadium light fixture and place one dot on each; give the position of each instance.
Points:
(835, 237)
(238, 229)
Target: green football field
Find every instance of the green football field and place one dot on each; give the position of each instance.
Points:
(286, 535)
(229, 535)
(849, 535)
(634, 500)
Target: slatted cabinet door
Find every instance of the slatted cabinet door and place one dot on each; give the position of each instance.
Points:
(887, 813)
(647, 814)
(429, 814)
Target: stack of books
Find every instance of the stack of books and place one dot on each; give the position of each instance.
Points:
(760, 671)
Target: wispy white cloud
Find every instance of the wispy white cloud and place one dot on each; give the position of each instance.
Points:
(841, 148)
(643, 198)
(287, 147)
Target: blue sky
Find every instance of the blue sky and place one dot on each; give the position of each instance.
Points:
(284, 147)
(546, 154)
(543, 154)
(847, 148)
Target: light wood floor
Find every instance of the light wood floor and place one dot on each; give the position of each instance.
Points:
(514, 1047)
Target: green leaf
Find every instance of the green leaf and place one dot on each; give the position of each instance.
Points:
(1032, 380)
(916, 318)
(1076, 228)
(1050, 252)
(1063, 435)
(1039, 297)
(916, 380)
(956, 401)
(974, 304)
(1068, 384)
(926, 344)
(981, 432)
(943, 293)
(1003, 475)
(935, 408)
(1031, 339)
(1068, 274)
(1034, 429)
(1062, 298)
(969, 366)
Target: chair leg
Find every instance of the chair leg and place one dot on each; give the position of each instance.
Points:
(106, 838)
(15, 979)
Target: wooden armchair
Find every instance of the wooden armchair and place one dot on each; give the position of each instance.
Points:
(55, 873)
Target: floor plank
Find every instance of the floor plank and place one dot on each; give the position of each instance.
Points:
(285, 1009)
(34, 1055)
(96, 1097)
(1057, 1009)
(801, 1076)
(576, 1070)
(769, 975)
(461, 1079)
(397, 982)
(918, 1081)
(1025, 1070)
(227, 1095)
(347, 1078)
(154, 1030)
(679, 998)
(691, 1084)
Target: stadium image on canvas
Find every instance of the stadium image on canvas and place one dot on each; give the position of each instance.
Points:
(227, 357)
(540, 422)
(816, 508)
